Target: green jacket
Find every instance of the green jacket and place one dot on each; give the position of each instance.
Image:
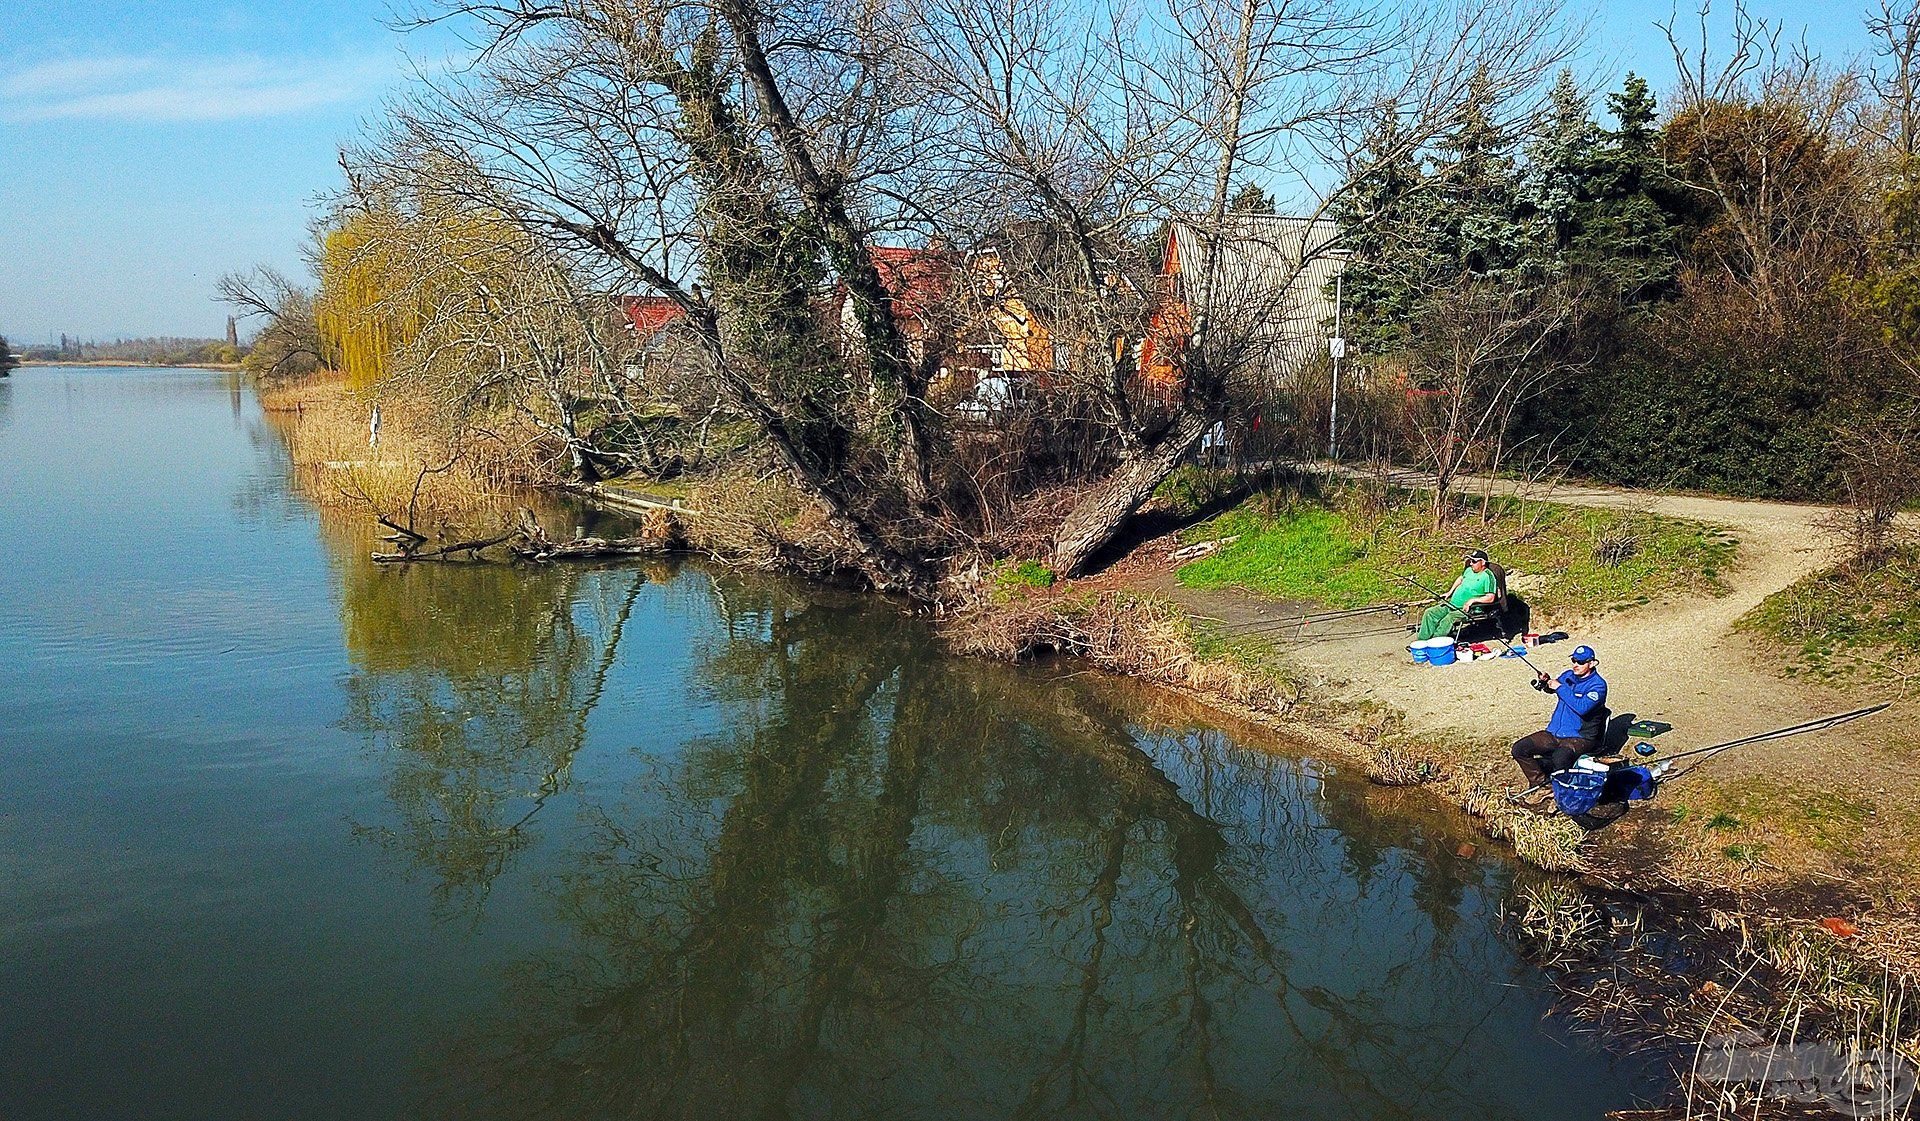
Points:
(1473, 585)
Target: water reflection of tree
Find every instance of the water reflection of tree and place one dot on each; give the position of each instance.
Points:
(898, 885)
(474, 685)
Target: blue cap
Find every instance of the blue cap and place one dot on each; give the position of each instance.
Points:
(1583, 654)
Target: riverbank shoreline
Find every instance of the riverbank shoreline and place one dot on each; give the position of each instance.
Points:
(1654, 964)
(1314, 709)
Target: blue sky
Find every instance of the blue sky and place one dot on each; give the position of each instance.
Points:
(148, 147)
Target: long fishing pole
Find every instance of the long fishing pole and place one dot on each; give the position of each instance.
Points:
(1315, 617)
(1438, 598)
(1819, 725)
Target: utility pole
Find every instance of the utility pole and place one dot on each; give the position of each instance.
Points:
(1336, 349)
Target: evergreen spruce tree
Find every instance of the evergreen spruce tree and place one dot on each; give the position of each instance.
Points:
(1382, 218)
(1482, 227)
(1631, 233)
(1250, 199)
(1560, 178)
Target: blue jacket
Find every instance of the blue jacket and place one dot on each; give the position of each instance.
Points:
(1578, 706)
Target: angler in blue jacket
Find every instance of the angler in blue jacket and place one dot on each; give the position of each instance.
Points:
(1579, 722)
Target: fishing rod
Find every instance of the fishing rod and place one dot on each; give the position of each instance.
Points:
(1317, 617)
(1440, 599)
(1819, 725)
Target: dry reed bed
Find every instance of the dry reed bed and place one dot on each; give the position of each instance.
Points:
(413, 469)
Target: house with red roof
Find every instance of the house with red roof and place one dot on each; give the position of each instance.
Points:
(649, 315)
(956, 308)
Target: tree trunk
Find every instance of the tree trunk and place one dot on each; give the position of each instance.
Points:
(888, 354)
(1099, 515)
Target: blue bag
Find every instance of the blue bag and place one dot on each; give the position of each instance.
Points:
(1639, 783)
(1577, 791)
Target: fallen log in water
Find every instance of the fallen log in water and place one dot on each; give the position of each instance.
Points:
(445, 552)
(587, 548)
(528, 541)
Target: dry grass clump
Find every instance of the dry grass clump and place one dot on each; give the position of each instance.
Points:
(1552, 843)
(1822, 973)
(662, 526)
(1479, 797)
(1139, 636)
(1555, 916)
(1395, 764)
(760, 518)
(415, 470)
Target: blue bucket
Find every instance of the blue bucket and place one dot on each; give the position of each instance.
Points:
(1440, 652)
(1419, 652)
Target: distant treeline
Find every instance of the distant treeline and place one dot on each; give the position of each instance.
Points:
(161, 350)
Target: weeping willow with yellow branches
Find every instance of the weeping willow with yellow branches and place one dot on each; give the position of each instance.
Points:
(452, 313)
(355, 311)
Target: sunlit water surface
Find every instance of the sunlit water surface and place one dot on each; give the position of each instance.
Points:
(284, 834)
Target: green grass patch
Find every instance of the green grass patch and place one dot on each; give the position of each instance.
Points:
(1012, 578)
(1344, 550)
(652, 488)
(1837, 624)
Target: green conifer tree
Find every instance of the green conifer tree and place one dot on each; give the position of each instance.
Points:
(1380, 217)
(1631, 231)
(1560, 177)
(1482, 226)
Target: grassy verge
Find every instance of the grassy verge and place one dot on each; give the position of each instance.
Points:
(1344, 549)
(1723, 830)
(1838, 624)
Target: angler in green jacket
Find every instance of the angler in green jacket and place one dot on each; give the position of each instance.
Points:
(1475, 585)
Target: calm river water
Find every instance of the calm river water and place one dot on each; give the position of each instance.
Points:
(284, 835)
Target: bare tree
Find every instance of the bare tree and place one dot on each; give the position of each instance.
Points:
(1765, 136)
(289, 343)
(1896, 83)
(1480, 352)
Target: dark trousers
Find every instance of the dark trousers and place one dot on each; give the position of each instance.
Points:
(1543, 753)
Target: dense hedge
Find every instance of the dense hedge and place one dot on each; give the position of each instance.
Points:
(1700, 397)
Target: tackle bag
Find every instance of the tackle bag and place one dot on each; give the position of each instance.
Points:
(1578, 789)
